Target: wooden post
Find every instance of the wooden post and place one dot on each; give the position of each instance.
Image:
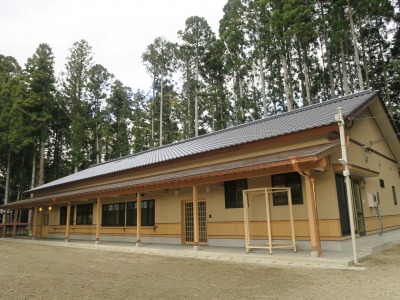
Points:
(4, 223)
(34, 223)
(246, 220)
(68, 222)
(138, 218)
(314, 230)
(98, 223)
(14, 233)
(196, 218)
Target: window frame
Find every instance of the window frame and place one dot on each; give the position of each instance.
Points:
(115, 214)
(292, 180)
(394, 195)
(148, 211)
(234, 188)
(84, 214)
(63, 215)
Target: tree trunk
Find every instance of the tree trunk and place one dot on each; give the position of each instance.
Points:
(329, 62)
(8, 176)
(41, 164)
(301, 75)
(262, 78)
(354, 39)
(286, 82)
(344, 71)
(307, 80)
(161, 111)
(366, 67)
(152, 112)
(196, 108)
(351, 78)
(241, 97)
(7, 190)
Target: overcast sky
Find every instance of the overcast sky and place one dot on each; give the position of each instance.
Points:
(118, 30)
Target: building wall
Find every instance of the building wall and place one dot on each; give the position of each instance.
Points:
(226, 225)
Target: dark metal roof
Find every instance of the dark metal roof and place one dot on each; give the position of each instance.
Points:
(303, 155)
(298, 120)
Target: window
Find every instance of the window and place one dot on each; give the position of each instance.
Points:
(234, 193)
(394, 195)
(148, 213)
(292, 180)
(46, 219)
(113, 215)
(382, 183)
(63, 215)
(84, 214)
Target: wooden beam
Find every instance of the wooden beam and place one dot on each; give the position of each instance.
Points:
(138, 218)
(14, 233)
(68, 222)
(98, 223)
(196, 217)
(34, 223)
(313, 217)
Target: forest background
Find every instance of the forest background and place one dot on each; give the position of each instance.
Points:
(267, 58)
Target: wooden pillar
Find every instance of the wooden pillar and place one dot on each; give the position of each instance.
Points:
(68, 222)
(138, 219)
(4, 223)
(196, 217)
(34, 223)
(312, 217)
(14, 233)
(98, 223)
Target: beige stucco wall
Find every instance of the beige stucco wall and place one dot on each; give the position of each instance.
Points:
(228, 223)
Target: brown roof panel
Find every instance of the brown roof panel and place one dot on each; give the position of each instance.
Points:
(307, 154)
(309, 117)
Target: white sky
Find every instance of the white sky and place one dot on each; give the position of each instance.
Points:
(118, 30)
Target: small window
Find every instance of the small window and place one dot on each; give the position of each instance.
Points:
(46, 219)
(394, 195)
(234, 193)
(113, 214)
(292, 180)
(382, 183)
(63, 215)
(84, 214)
(147, 213)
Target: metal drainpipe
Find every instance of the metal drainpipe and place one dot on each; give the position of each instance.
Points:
(295, 164)
(346, 174)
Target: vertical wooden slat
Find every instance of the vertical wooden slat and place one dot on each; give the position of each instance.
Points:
(196, 217)
(98, 222)
(138, 219)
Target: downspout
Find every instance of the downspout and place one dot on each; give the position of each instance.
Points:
(296, 167)
(346, 173)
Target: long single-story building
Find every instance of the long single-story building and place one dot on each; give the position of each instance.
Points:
(192, 191)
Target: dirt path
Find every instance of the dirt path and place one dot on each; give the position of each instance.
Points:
(32, 271)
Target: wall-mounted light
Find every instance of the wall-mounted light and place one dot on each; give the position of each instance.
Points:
(49, 208)
(40, 209)
(208, 189)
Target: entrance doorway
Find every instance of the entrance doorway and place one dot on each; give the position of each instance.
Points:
(44, 232)
(358, 207)
(189, 222)
(343, 207)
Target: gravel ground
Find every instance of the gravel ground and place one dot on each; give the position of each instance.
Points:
(33, 271)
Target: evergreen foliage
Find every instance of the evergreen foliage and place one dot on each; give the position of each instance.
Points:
(271, 56)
